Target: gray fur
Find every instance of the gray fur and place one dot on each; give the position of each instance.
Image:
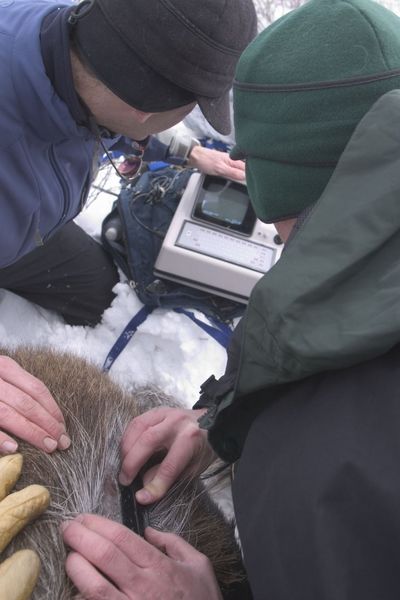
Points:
(84, 478)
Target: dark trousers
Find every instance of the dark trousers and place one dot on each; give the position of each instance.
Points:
(71, 274)
(317, 489)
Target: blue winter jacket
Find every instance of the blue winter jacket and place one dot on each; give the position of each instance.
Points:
(45, 157)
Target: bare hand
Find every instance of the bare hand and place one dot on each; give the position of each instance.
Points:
(28, 410)
(214, 162)
(172, 429)
(110, 561)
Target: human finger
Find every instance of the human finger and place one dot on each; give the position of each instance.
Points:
(194, 563)
(240, 165)
(13, 373)
(232, 172)
(7, 444)
(152, 439)
(147, 434)
(31, 410)
(139, 425)
(231, 169)
(18, 425)
(179, 429)
(118, 549)
(90, 583)
(172, 545)
(101, 552)
(178, 458)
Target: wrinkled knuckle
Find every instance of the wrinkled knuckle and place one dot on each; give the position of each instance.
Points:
(3, 411)
(122, 537)
(167, 470)
(26, 406)
(107, 555)
(151, 437)
(38, 388)
(193, 433)
(55, 429)
(138, 426)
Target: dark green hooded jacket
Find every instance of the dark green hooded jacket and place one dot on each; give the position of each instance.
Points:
(310, 402)
(332, 300)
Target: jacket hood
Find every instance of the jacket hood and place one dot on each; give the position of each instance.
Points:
(332, 300)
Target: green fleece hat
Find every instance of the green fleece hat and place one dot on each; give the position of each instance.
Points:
(301, 88)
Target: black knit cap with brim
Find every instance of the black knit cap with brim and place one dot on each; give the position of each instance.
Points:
(158, 55)
(301, 88)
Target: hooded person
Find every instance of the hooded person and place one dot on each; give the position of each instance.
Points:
(308, 409)
(312, 411)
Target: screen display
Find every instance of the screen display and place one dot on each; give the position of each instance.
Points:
(226, 203)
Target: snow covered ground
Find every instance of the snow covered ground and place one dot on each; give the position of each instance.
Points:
(168, 350)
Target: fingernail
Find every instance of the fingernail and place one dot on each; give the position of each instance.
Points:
(64, 442)
(65, 524)
(123, 479)
(143, 496)
(9, 447)
(50, 444)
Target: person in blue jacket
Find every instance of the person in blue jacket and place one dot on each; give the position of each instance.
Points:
(73, 78)
(76, 79)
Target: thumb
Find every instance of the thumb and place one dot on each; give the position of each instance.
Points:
(153, 491)
(167, 472)
(172, 545)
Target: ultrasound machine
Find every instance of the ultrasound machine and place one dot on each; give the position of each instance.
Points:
(215, 241)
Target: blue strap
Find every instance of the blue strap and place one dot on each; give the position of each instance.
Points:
(155, 165)
(125, 336)
(221, 332)
(215, 144)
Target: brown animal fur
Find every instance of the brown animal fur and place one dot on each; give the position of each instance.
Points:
(84, 478)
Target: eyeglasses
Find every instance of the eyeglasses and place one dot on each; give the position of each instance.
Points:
(132, 162)
(130, 166)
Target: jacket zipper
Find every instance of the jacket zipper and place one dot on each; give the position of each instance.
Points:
(63, 184)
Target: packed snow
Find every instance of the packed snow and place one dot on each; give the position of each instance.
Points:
(168, 350)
